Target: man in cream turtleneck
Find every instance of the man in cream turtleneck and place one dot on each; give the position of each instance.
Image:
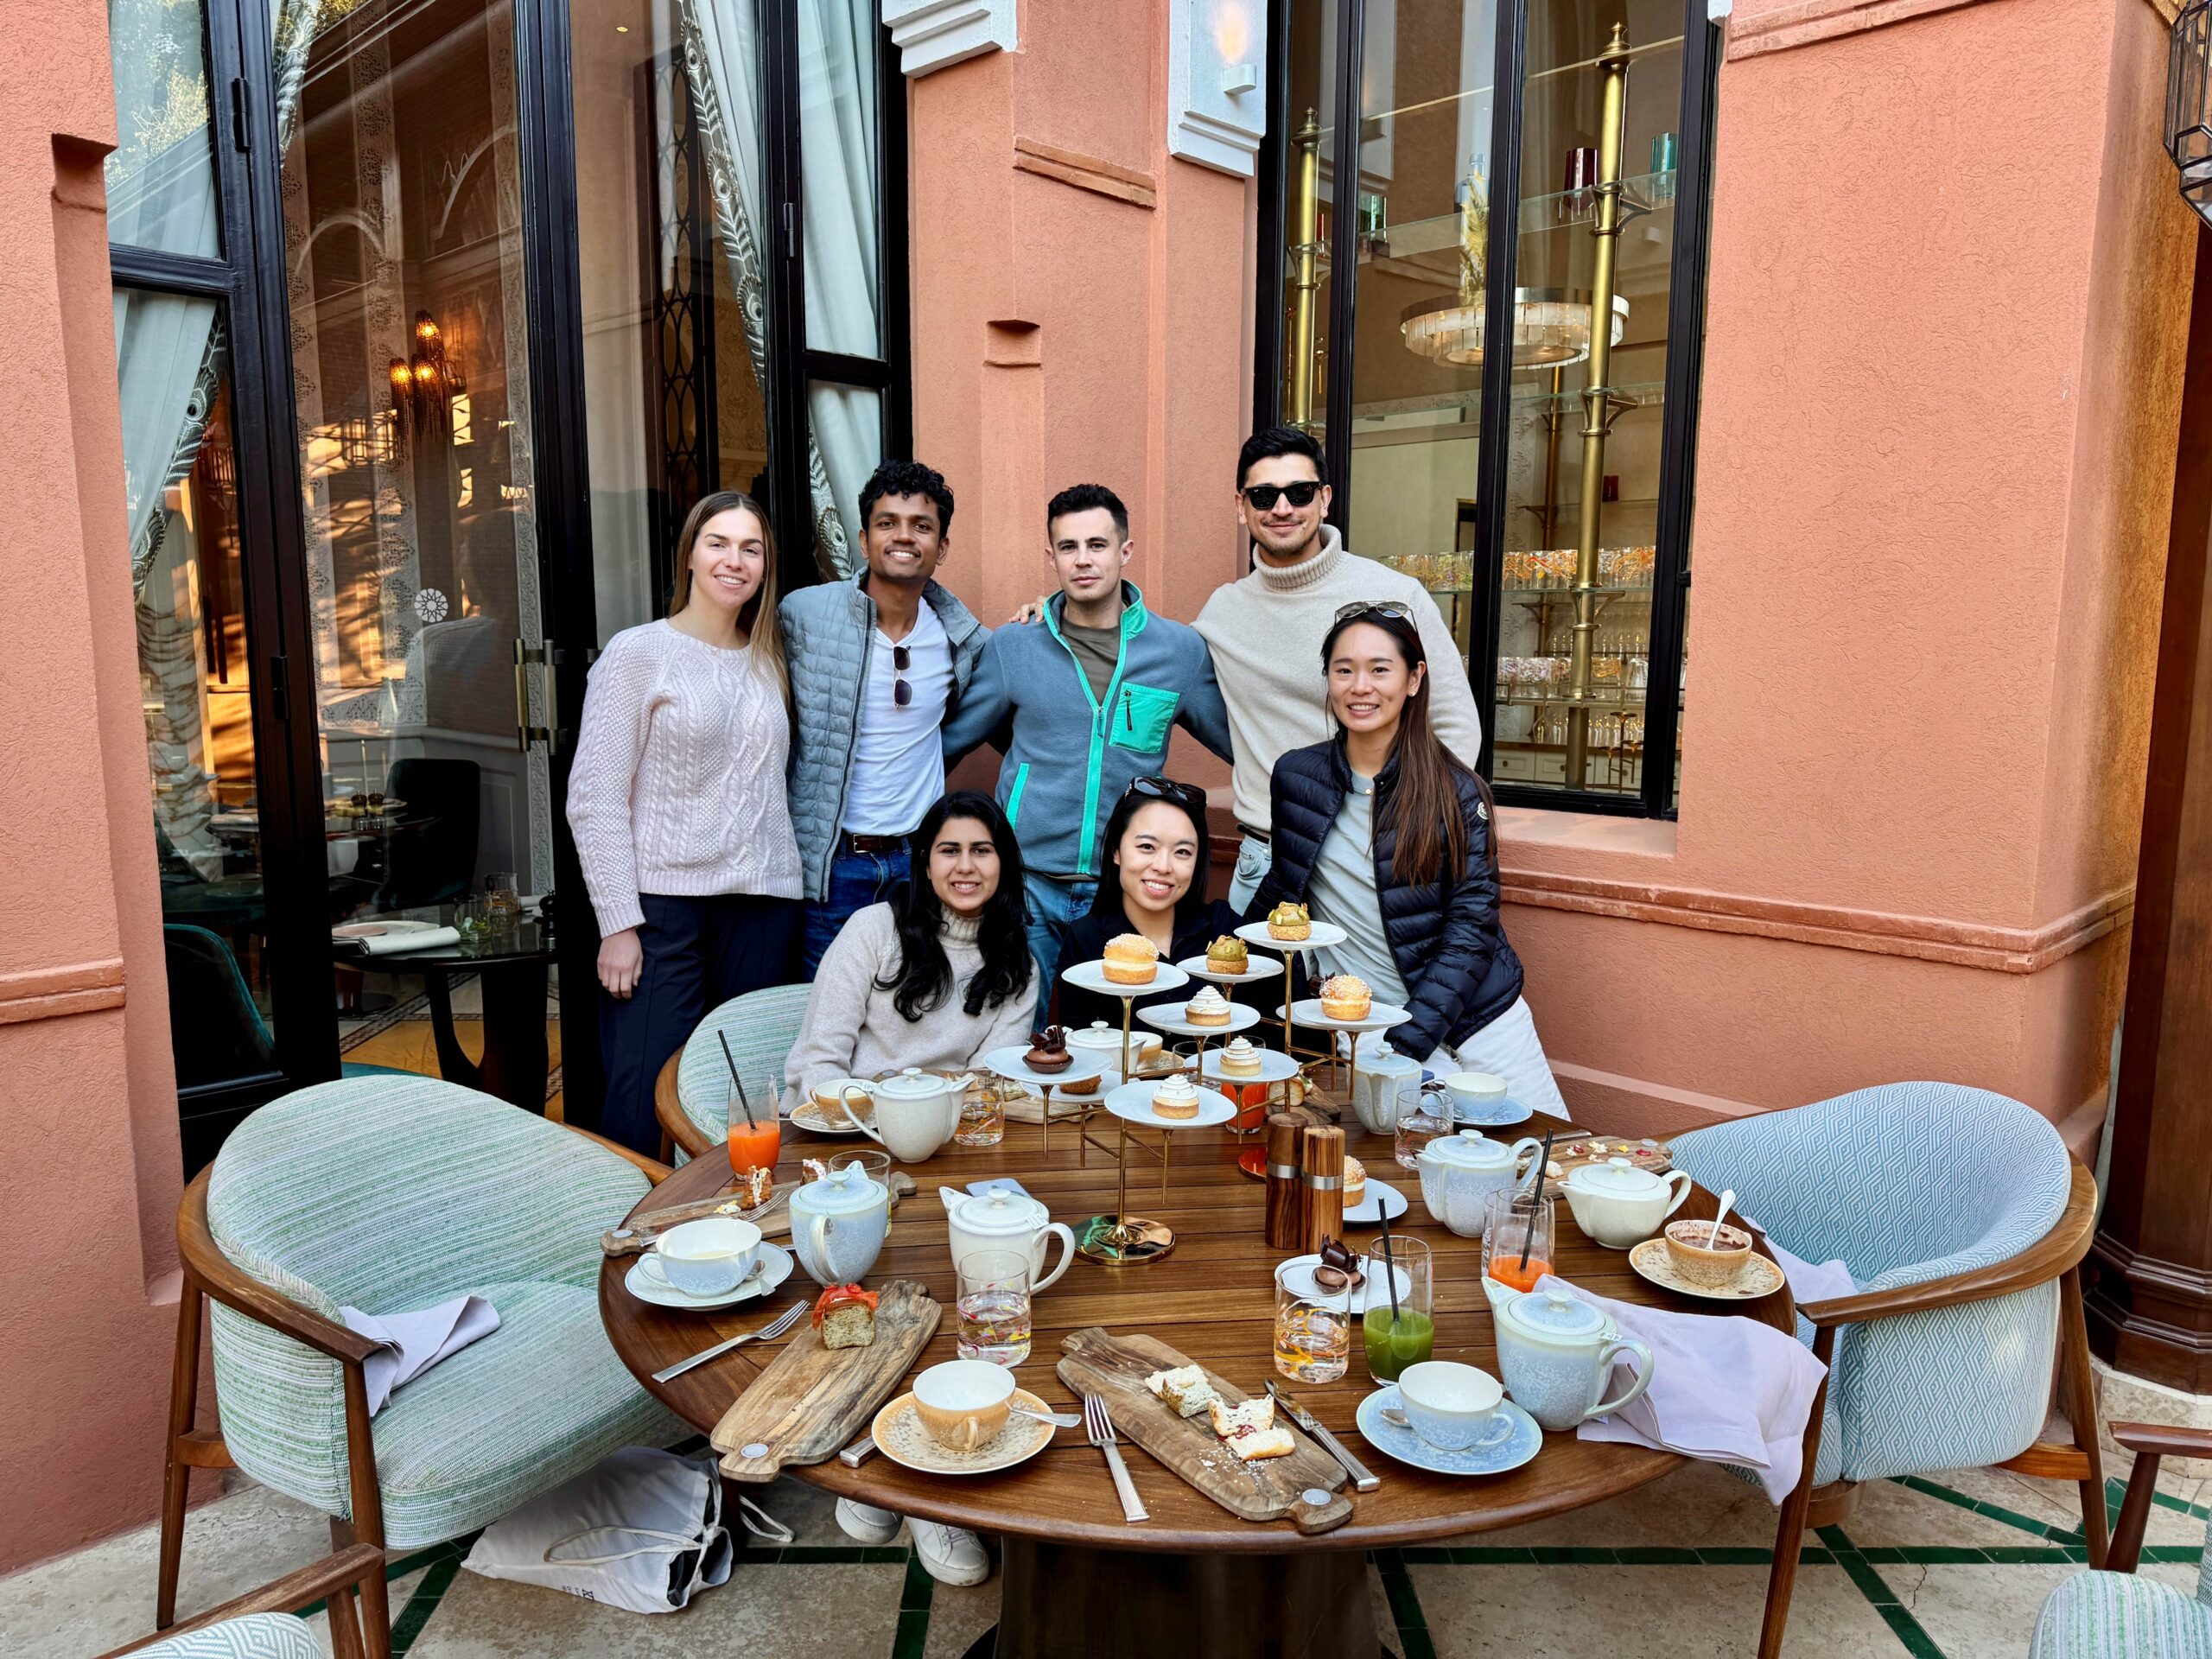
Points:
(1266, 630)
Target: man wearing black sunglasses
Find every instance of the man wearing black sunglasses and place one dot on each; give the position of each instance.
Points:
(877, 662)
(1265, 631)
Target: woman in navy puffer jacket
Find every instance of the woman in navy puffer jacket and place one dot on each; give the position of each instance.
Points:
(1382, 832)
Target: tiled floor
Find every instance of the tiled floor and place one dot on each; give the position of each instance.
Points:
(1955, 1567)
(401, 1036)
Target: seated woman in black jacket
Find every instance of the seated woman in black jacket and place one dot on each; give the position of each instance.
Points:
(1155, 855)
(1382, 832)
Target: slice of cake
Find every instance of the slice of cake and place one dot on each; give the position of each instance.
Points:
(1184, 1391)
(845, 1315)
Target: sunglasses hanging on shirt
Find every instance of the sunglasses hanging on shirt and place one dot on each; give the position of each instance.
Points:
(901, 659)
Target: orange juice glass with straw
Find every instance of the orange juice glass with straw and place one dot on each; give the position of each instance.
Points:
(755, 1132)
(1516, 1238)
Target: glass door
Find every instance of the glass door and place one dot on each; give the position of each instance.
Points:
(410, 365)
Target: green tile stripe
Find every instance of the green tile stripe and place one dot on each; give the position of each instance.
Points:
(1895, 1613)
(915, 1597)
(1991, 1511)
(424, 1602)
(1413, 1638)
(1626, 1555)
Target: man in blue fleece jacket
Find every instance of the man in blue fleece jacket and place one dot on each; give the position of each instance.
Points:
(1080, 702)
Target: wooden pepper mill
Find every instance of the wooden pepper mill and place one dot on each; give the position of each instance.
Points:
(1286, 1211)
(1324, 1183)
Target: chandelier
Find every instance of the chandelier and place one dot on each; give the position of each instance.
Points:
(1551, 327)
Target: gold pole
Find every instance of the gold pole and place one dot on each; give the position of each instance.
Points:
(1306, 272)
(1597, 398)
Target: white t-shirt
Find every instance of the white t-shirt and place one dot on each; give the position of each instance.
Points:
(899, 753)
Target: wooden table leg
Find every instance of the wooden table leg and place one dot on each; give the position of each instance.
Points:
(1057, 1602)
(514, 1033)
(454, 1063)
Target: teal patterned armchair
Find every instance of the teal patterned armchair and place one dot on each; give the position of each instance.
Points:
(2113, 1614)
(389, 1194)
(693, 1096)
(1963, 1220)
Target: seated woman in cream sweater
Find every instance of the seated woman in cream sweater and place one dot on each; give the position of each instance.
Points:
(938, 977)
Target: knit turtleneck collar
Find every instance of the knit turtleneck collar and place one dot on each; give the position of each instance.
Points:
(963, 930)
(1307, 573)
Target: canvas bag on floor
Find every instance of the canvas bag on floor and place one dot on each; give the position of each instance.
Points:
(641, 1528)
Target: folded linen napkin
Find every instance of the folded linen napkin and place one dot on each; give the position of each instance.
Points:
(1724, 1388)
(412, 1342)
(391, 943)
(1809, 1282)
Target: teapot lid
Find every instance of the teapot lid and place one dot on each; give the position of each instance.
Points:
(1469, 1149)
(1553, 1311)
(1616, 1178)
(912, 1084)
(843, 1191)
(999, 1211)
(1387, 1059)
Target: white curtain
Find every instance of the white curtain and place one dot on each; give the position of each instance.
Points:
(722, 52)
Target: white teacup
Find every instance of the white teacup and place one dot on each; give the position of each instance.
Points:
(1479, 1097)
(962, 1402)
(1451, 1406)
(709, 1258)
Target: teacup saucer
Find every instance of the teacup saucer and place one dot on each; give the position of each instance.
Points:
(1510, 1113)
(776, 1266)
(1516, 1449)
(899, 1435)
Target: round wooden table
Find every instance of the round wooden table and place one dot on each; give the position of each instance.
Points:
(1195, 1579)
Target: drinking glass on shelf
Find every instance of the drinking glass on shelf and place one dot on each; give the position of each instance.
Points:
(503, 893)
(992, 1307)
(1400, 1333)
(1312, 1336)
(474, 921)
(982, 1114)
(1516, 1236)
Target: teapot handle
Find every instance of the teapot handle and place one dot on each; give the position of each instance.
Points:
(1613, 1350)
(1681, 1179)
(1067, 1236)
(845, 1105)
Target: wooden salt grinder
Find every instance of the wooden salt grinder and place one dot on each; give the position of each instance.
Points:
(1324, 1182)
(1286, 1211)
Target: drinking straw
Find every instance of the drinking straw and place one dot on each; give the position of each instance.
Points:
(730, 1059)
(1390, 1267)
(1543, 1163)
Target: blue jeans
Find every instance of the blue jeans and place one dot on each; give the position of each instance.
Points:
(1254, 860)
(1054, 904)
(856, 880)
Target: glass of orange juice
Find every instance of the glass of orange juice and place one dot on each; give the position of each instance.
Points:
(754, 1145)
(1516, 1238)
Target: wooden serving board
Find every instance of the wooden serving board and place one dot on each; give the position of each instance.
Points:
(810, 1401)
(773, 1218)
(1094, 1361)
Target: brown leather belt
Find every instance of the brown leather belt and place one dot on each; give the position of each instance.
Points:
(848, 842)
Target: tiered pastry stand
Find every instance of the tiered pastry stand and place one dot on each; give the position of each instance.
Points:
(1168, 1017)
(1006, 1063)
(1122, 1240)
(1380, 1016)
(1256, 969)
(1091, 976)
(1324, 935)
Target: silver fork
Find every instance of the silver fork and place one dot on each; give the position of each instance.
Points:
(782, 1323)
(1098, 1423)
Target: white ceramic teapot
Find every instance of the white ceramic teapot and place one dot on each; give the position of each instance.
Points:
(1556, 1354)
(838, 1223)
(1459, 1172)
(1620, 1205)
(1006, 1221)
(916, 1113)
(1387, 1084)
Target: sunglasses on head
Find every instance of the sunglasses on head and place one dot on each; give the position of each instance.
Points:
(1167, 789)
(1390, 607)
(1301, 494)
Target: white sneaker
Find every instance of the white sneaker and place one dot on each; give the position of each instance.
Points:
(865, 1524)
(952, 1554)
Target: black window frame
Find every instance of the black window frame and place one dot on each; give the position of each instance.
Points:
(1701, 46)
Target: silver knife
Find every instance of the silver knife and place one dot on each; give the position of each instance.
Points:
(858, 1452)
(1363, 1478)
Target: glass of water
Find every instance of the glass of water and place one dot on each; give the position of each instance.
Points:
(992, 1307)
(1313, 1335)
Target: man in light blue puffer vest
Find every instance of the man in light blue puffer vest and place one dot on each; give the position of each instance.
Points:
(1082, 701)
(877, 663)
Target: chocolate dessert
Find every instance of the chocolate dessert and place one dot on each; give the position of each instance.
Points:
(1050, 1052)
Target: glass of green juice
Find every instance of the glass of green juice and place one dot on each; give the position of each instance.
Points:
(1399, 1332)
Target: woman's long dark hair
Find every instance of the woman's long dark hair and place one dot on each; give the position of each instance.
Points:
(1188, 799)
(1424, 806)
(924, 976)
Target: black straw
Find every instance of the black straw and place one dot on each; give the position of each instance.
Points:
(1390, 1267)
(730, 1059)
(1543, 1164)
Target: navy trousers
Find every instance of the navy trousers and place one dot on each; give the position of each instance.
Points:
(699, 953)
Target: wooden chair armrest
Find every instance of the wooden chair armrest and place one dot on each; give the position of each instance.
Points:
(225, 1280)
(2054, 1254)
(2163, 1438)
(668, 1107)
(656, 1171)
(317, 1582)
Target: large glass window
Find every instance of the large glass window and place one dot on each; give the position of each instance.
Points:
(1565, 591)
(160, 176)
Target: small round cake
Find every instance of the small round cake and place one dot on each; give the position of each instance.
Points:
(1355, 1183)
(1177, 1097)
(1289, 921)
(1208, 1007)
(1227, 955)
(1050, 1052)
(1131, 959)
(1240, 1059)
(1345, 996)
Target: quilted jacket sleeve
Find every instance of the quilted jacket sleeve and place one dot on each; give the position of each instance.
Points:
(1454, 974)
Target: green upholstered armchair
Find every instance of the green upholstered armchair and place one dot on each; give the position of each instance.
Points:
(2113, 1614)
(693, 1096)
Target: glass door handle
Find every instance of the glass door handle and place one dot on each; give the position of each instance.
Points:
(526, 733)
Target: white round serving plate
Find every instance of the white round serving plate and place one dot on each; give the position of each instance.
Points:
(1366, 1212)
(1132, 1103)
(1380, 1016)
(1007, 1063)
(1325, 933)
(1258, 967)
(1168, 1017)
(1296, 1275)
(1091, 976)
(1275, 1066)
(777, 1267)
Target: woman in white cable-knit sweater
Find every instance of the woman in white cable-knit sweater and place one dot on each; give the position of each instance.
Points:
(676, 798)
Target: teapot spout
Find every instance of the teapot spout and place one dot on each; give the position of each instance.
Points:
(951, 1195)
